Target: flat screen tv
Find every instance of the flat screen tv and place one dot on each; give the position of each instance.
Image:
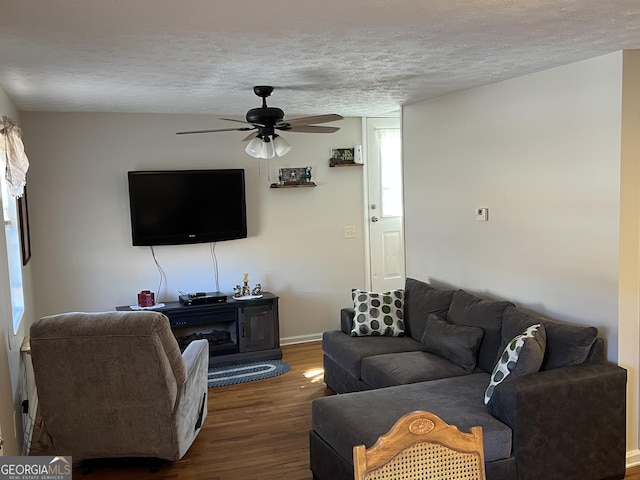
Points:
(174, 207)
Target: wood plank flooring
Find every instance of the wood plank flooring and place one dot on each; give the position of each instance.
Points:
(633, 473)
(254, 431)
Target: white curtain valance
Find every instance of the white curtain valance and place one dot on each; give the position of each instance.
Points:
(17, 162)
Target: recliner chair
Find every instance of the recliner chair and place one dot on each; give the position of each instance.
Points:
(114, 384)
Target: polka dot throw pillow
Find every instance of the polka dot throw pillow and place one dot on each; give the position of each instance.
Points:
(522, 355)
(378, 314)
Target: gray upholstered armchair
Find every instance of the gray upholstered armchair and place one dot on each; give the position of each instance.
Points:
(114, 384)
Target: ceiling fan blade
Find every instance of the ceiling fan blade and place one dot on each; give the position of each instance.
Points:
(217, 130)
(242, 121)
(250, 136)
(332, 117)
(234, 120)
(310, 129)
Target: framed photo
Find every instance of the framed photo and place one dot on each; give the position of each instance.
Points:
(340, 156)
(294, 176)
(25, 233)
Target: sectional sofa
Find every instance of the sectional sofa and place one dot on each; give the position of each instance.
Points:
(550, 405)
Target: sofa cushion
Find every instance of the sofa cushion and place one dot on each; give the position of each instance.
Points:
(348, 351)
(392, 369)
(567, 344)
(456, 343)
(346, 319)
(467, 309)
(522, 355)
(378, 314)
(420, 300)
(350, 419)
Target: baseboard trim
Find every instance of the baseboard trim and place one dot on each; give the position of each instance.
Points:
(301, 339)
(633, 458)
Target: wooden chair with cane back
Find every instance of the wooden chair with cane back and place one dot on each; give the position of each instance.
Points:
(422, 446)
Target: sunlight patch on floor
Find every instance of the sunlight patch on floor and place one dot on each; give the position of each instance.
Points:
(316, 375)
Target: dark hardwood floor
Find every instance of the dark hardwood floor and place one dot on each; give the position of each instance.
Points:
(254, 431)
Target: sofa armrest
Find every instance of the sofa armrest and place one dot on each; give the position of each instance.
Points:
(193, 353)
(191, 404)
(346, 320)
(568, 422)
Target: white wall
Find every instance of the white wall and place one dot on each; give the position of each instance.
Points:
(542, 153)
(545, 154)
(16, 380)
(82, 254)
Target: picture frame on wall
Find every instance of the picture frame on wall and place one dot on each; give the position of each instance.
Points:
(25, 232)
(294, 176)
(341, 156)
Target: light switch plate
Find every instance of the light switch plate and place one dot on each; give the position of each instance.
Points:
(349, 232)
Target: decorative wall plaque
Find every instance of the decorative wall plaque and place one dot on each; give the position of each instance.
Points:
(341, 156)
(294, 176)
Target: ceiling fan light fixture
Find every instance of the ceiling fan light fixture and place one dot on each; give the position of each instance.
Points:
(264, 121)
(254, 147)
(281, 145)
(268, 150)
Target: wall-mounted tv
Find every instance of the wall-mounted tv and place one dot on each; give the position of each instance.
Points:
(174, 207)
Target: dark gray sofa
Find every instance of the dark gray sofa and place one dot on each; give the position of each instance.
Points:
(565, 421)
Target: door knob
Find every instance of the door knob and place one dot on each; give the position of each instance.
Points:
(374, 219)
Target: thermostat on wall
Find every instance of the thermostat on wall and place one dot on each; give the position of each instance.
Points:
(482, 214)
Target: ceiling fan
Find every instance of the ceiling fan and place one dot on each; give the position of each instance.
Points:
(263, 122)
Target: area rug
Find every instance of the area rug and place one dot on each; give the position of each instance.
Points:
(246, 372)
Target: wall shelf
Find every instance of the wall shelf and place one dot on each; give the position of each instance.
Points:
(346, 164)
(293, 185)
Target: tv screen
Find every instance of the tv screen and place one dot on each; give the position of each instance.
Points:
(176, 207)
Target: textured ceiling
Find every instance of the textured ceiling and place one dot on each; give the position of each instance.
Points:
(352, 57)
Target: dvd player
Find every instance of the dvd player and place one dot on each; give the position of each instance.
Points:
(202, 298)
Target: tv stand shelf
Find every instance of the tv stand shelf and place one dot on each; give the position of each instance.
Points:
(237, 330)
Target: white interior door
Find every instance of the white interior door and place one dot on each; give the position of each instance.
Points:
(385, 207)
